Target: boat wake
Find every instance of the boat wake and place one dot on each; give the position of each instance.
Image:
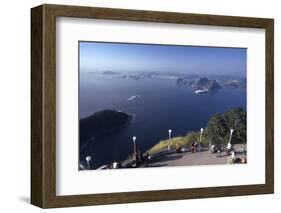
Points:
(133, 98)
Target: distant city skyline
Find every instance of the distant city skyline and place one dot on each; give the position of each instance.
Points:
(126, 57)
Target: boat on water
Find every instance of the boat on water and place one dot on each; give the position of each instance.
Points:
(132, 98)
(201, 91)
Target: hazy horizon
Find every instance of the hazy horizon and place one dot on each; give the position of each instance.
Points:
(190, 60)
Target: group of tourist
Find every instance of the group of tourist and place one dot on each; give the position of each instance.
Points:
(141, 158)
(114, 165)
(218, 149)
(234, 159)
(194, 146)
(144, 159)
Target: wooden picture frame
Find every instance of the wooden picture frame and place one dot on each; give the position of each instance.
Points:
(43, 105)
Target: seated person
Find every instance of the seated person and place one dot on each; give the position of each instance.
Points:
(178, 148)
(193, 146)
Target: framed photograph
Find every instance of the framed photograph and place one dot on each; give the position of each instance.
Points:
(135, 106)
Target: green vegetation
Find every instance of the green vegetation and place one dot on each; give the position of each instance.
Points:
(174, 142)
(219, 125)
(216, 132)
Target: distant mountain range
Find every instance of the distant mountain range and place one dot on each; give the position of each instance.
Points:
(209, 82)
(203, 83)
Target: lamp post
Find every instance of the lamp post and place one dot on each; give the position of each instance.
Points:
(200, 140)
(169, 145)
(134, 141)
(201, 132)
(231, 131)
(135, 152)
(88, 159)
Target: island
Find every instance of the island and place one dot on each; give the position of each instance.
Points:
(235, 83)
(205, 83)
(109, 72)
(184, 81)
(102, 122)
(200, 85)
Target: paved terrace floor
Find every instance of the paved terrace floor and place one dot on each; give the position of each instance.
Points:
(188, 158)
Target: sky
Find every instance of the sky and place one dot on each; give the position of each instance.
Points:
(125, 57)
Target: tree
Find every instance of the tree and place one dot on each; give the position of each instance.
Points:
(237, 120)
(218, 128)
